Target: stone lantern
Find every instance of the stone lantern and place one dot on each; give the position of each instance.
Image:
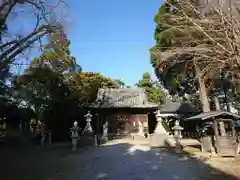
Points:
(159, 128)
(159, 137)
(88, 131)
(88, 128)
(74, 135)
(177, 135)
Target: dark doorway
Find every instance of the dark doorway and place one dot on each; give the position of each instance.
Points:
(152, 122)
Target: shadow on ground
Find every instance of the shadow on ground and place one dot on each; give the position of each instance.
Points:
(116, 161)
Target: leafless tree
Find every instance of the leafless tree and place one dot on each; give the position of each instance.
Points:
(46, 23)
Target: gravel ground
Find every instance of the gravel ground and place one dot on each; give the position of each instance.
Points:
(117, 160)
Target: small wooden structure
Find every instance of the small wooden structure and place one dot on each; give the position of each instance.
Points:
(221, 128)
(173, 111)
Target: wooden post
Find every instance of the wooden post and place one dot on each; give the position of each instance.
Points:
(147, 123)
(216, 134)
(233, 129)
(221, 123)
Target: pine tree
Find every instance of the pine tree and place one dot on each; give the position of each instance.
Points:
(56, 55)
(154, 93)
(192, 48)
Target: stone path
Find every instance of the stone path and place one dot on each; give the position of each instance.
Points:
(118, 160)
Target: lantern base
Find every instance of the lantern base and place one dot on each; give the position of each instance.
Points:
(159, 140)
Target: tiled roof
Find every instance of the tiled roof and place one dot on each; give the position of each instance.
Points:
(211, 114)
(123, 97)
(177, 107)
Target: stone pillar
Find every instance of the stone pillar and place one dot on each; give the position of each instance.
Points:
(95, 140)
(49, 138)
(140, 128)
(42, 132)
(74, 135)
(177, 135)
(20, 126)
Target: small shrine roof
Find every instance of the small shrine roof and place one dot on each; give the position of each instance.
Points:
(212, 114)
(177, 107)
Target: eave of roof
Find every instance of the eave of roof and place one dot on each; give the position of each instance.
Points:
(177, 107)
(212, 114)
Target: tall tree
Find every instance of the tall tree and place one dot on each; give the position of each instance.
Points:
(154, 93)
(43, 86)
(14, 45)
(190, 51)
(56, 55)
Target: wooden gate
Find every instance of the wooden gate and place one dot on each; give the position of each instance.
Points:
(225, 137)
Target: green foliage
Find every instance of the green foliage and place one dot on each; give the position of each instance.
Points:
(56, 56)
(183, 34)
(145, 81)
(120, 83)
(154, 93)
(193, 52)
(86, 84)
(43, 83)
(169, 33)
(165, 125)
(55, 88)
(178, 42)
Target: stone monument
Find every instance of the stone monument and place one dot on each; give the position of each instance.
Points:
(74, 135)
(105, 131)
(140, 129)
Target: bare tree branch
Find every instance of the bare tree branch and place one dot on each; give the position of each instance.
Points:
(43, 11)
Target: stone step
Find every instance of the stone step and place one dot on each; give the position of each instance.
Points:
(171, 142)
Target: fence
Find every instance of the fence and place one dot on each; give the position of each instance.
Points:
(189, 135)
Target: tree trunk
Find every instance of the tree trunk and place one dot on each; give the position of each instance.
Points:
(202, 90)
(6, 7)
(204, 101)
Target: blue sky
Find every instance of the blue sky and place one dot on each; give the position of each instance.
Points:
(113, 36)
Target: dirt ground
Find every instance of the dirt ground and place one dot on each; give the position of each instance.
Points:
(116, 160)
(228, 165)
